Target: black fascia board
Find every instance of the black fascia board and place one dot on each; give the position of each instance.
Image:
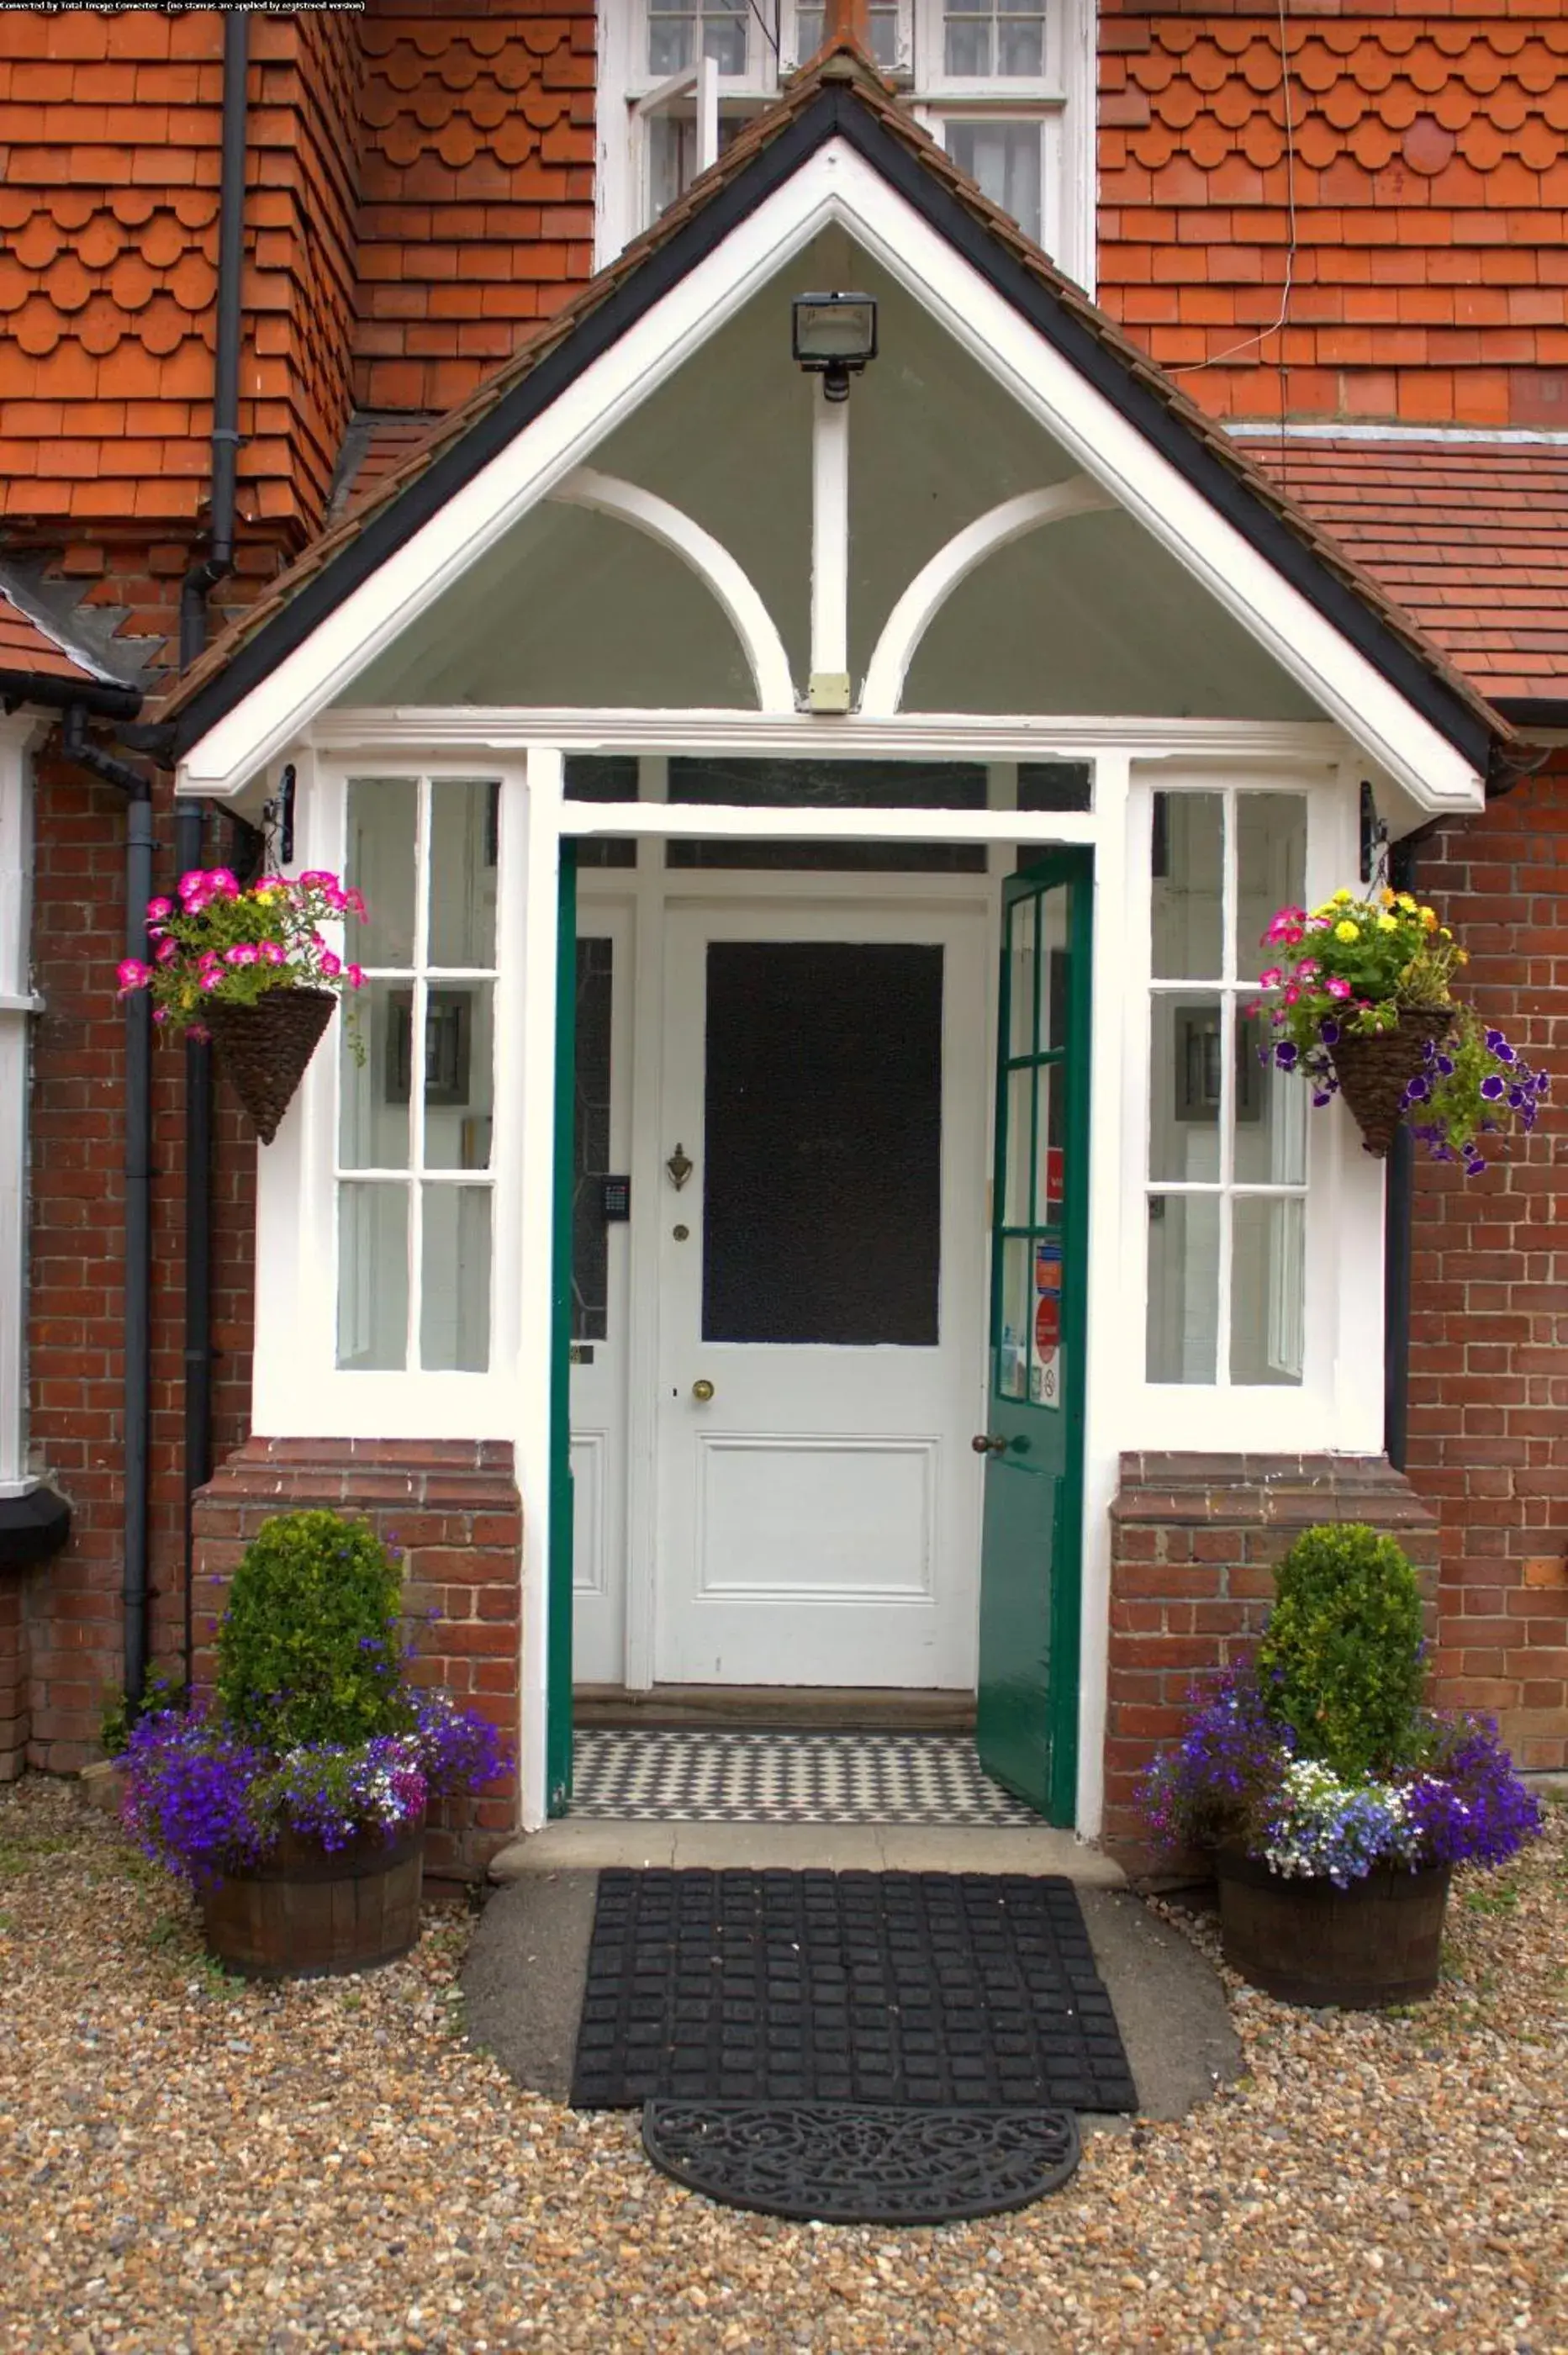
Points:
(102, 698)
(836, 112)
(1532, 710)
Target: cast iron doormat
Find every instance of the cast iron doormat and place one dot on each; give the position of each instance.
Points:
(862, 2163)
(927, 1989)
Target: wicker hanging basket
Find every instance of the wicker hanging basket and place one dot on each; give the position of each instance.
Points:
(1374, 1071)
(264, 1048)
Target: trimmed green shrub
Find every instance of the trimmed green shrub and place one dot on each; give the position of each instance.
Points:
(308, 1649)
(1342, 1657)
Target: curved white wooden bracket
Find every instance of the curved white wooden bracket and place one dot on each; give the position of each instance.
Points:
(935, 582)
(708, 558)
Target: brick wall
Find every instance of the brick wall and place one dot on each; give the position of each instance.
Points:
(1430, 277)
(72, 1603)
(13, 1682)
(451, 1507)
(1194, 1539)
(1488, 1382)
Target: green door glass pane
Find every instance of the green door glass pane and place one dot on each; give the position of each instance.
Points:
(1026, 1715)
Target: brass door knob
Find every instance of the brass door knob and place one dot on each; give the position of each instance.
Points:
(702, 1392)
(985, 1443)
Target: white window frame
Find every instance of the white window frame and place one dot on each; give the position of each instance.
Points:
(1337, 1407)
(1060, 101)
(300, 1387)
(418, 1178)
(18, 734)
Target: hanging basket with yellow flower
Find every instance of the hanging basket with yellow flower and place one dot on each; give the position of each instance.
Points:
(1365, 1009)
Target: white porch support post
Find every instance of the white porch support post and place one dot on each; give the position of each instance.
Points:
(16, 1007)
(535, 1111)
(1115, 1344)
(829, 686)
(707, 112)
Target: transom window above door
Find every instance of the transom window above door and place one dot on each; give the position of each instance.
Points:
(1004, 84)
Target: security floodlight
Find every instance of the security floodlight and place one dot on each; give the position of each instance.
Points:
(834, 336)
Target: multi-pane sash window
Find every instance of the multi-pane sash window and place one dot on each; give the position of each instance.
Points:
(1227, 1159)
(680, 31)
(993, 39)
(888, 46)
(990, 76)
(415, 1159)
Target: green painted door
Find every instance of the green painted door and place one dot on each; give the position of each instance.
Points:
(1027, 1723)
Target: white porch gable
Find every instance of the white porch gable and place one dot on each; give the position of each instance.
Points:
(1116, 465)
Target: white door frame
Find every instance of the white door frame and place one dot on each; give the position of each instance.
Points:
(654, 890)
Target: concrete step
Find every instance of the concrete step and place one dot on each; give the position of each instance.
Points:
(587, 1843)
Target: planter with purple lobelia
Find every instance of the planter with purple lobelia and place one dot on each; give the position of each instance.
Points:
(1335, 1802)
(295, 1802)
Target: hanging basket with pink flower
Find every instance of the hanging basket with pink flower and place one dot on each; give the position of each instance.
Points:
(250, 967)
(1363, 1007)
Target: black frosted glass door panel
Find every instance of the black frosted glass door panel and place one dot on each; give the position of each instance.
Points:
(822, 1152)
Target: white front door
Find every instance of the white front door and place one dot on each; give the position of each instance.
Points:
(821, 1310)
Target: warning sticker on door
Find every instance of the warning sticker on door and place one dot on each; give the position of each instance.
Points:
(1045, 1371)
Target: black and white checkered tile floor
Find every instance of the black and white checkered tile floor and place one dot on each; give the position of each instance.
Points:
(698, 1776)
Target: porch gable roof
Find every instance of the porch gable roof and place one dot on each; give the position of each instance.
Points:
(839, 97)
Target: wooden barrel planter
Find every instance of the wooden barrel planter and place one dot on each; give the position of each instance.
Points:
(305, 1913)
(1376, 1942)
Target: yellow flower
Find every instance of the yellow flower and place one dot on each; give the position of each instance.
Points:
(1386, 898)
(1387, 923)
(1406, 902)
(1462, 956)
(1347, 932)
(1343, 898)
(1446, 934)
(1429, 918)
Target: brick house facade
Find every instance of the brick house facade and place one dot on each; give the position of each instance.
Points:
(1359, 268)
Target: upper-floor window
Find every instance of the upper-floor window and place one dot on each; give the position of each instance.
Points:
(1004, 84)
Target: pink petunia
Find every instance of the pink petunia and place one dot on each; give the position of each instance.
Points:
(1306, 968)
(273, 953)
(355, 900)
(193, 884)
(132, 974)
(166, 950)
(160, 1013)
(318, 878)
(1271, 978)
(222, 884)
(355, 976)
(242, 952)
(1292, 994)
(331, 965)
(158, 908)
(1337, 989)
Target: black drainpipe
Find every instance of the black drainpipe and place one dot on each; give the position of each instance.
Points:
(138, 791)
(219, 561)
(215, 566)
(1398, 1207)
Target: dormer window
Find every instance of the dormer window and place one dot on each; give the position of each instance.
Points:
(1005, 85)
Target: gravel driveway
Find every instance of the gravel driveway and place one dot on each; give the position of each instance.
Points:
(186, 2164)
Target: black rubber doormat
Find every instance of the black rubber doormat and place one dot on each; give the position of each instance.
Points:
(932, 1990)
(862, 2163)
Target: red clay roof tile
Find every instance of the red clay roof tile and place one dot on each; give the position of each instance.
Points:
(1469, 537)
